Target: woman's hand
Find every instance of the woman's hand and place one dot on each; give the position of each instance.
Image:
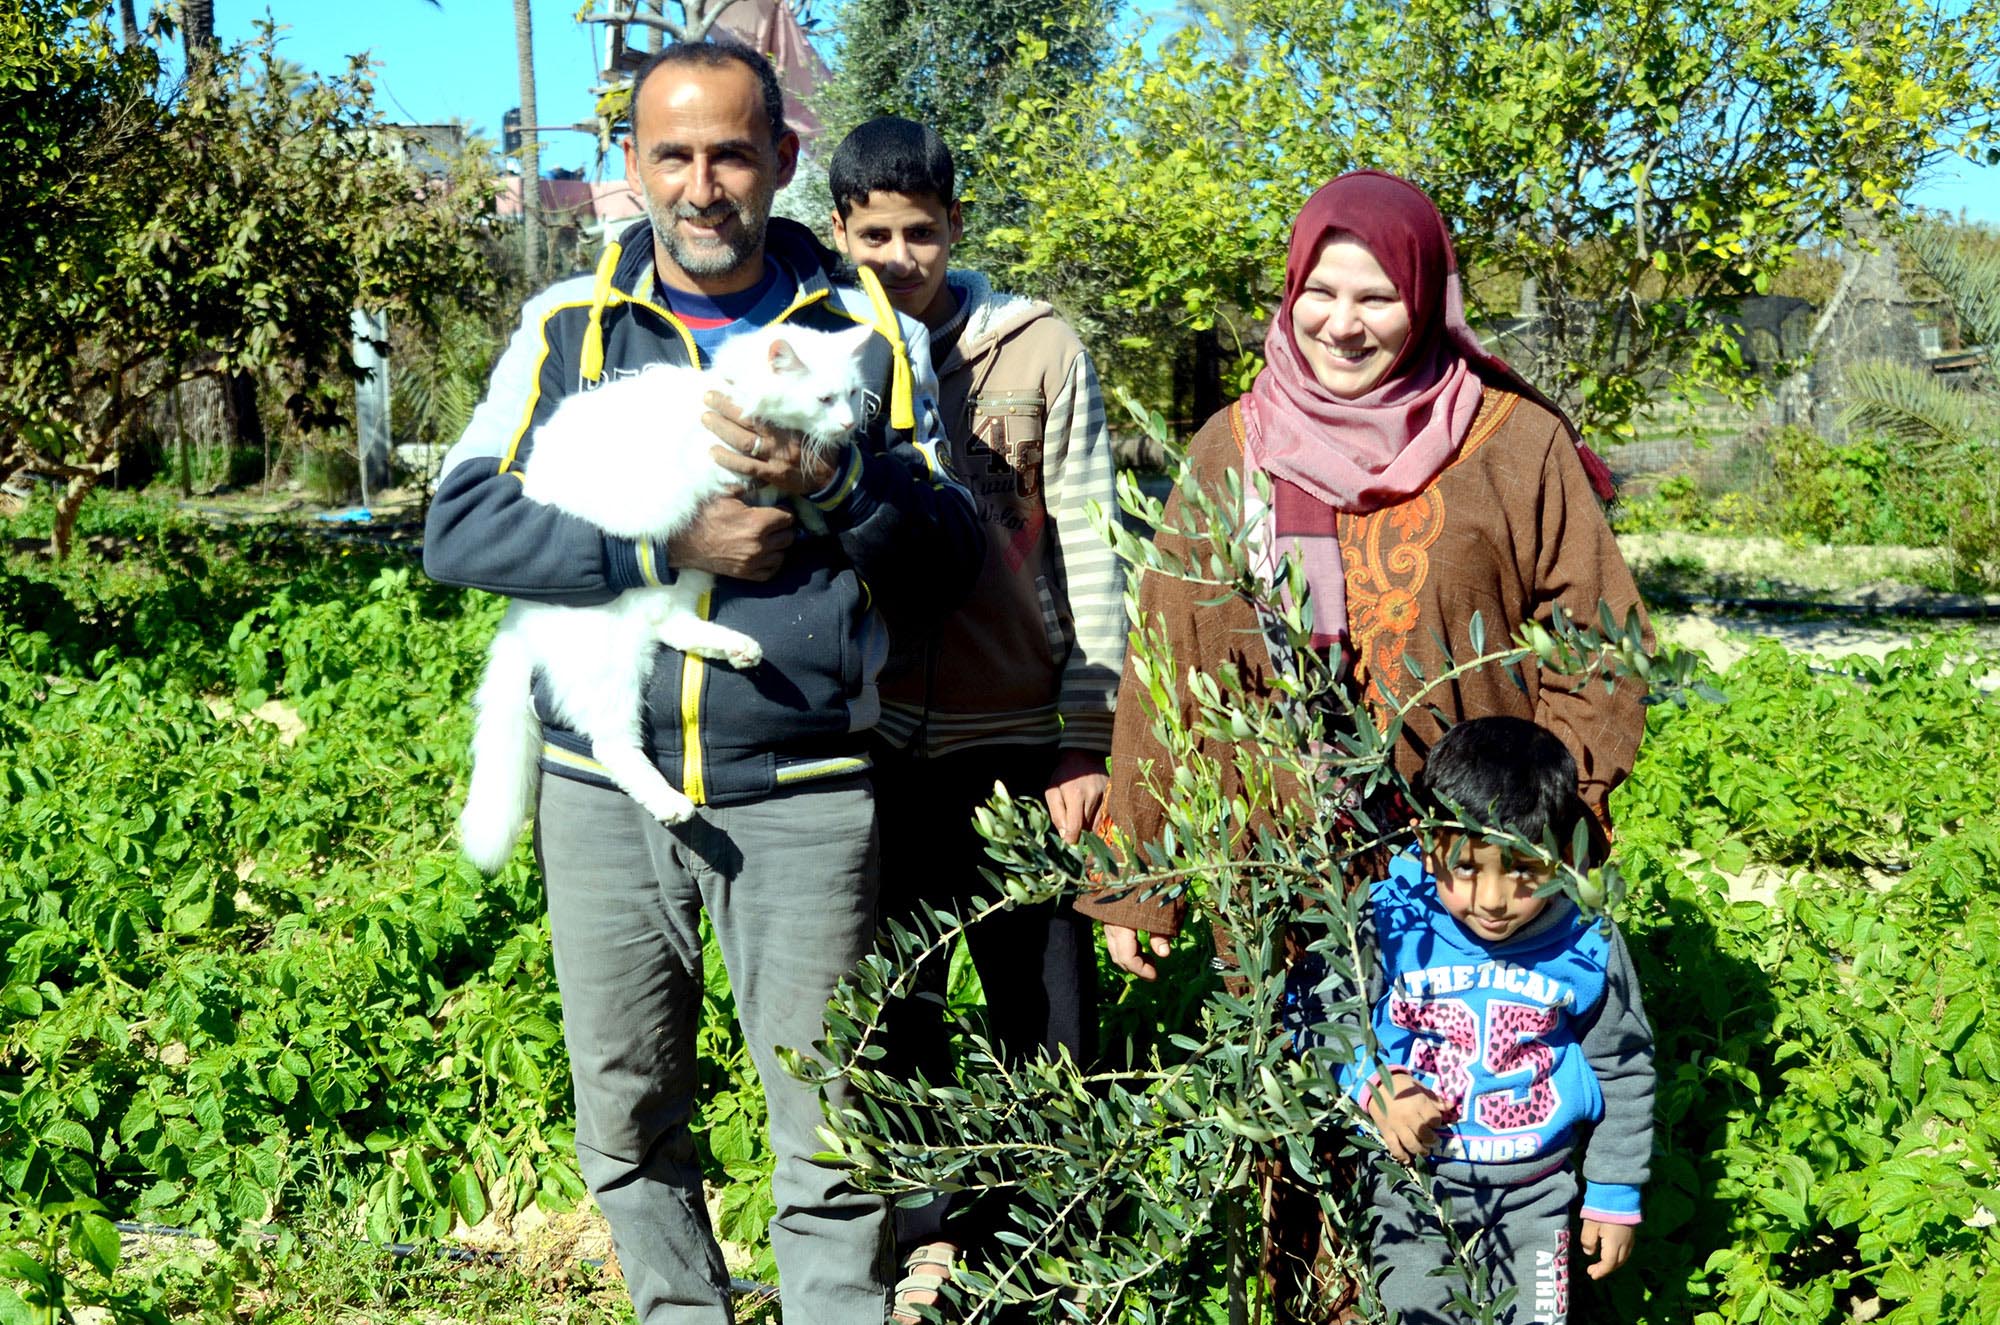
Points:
(1123, 945)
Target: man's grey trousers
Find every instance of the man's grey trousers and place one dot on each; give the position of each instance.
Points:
(789, 884)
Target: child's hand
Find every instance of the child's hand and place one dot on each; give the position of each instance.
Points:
(1409, 1120)
(1610, 1243)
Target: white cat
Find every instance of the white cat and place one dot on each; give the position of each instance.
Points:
(632, 458)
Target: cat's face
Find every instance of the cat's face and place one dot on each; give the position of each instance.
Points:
(799, 378)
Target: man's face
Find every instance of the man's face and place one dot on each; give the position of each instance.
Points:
(906, 240)
(702, 157)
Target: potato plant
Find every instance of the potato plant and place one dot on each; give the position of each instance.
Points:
(239, 956)
(246, 983)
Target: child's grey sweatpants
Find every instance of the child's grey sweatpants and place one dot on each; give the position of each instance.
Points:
(1523, 1235)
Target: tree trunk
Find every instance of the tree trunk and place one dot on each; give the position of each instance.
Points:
(1207, 374)
(181, 448)
(198, 30)
(531, 173)
(128, 20)
(246, 425)
(100, 459)
(698, 16)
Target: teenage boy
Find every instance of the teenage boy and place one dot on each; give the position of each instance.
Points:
(1509, 1031)
(1017, 685)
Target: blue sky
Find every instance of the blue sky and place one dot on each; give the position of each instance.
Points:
(457, 62)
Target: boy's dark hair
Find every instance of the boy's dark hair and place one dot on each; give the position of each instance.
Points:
(715, 52)
(1505, 773)
(889, 154)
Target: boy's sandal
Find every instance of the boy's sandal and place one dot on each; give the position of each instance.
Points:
(926, 1270)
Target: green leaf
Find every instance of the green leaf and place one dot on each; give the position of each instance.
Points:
(1961, 1015)
(467, 1196)
(70, 1134)
(21, 1266)
(95, 1240)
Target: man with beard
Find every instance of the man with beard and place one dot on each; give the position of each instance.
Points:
(782, 851)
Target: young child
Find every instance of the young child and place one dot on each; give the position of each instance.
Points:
(1016, 686)
(1514, 1051)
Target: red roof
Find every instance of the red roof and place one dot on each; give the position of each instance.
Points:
(579, 199)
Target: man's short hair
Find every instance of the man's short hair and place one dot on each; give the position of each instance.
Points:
(715, 52)
(889, 154)
(1504, 773)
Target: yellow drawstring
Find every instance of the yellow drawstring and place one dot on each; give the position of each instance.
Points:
(600, 294)
(902, 404)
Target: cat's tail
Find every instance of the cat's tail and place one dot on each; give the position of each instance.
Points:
(506, 754)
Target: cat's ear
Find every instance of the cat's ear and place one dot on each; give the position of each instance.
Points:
(855, 340)
(784, 359)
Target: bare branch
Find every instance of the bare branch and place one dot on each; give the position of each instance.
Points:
(698, 16)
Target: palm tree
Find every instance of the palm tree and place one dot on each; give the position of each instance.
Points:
(531, 188)
(1948, 435)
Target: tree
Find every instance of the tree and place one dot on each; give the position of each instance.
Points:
(1645, 168)
(955, 65)
(226, 228)
(697, 17)
(197, 29)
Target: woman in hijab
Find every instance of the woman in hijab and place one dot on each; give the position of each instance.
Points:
(1419, 480)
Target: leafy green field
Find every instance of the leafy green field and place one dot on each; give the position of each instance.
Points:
(244, 980)
(1828, 1064)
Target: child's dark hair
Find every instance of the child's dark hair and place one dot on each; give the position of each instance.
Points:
(889, 154)
(716, 52)
(1507, 773)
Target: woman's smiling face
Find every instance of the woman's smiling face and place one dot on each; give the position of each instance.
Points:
(1348, 320)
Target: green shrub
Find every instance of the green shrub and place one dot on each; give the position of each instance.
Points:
(1861, 491)
(1973, 542)
(1680, 502)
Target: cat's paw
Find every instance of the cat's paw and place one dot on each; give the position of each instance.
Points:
(741, 652)
(677, 811)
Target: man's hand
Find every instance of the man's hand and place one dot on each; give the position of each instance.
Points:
(1123, 945)
(1408, 1120)
(1611, 1244)
(777, 457)
(731, 537)
(1075, 792)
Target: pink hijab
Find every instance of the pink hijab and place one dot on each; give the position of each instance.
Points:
(1325, 454)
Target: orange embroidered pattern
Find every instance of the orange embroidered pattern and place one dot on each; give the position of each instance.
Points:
(1386, 557)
